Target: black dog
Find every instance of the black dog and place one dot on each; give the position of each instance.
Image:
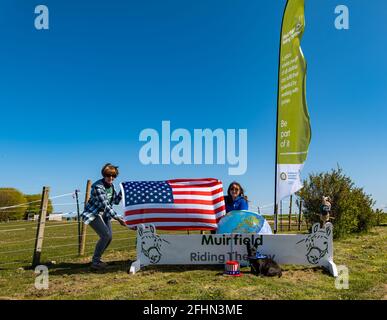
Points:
(262, 266)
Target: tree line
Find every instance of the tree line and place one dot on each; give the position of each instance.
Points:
(13, 197)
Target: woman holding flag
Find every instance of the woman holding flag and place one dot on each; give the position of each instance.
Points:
(99, 212)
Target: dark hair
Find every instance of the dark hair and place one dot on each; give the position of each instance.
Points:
(242, 191)
(109, 169)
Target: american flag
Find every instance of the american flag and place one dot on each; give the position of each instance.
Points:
(179, 204)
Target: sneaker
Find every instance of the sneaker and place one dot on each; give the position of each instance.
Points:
(98, 265)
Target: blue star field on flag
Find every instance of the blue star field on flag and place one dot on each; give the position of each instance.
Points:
(145, 192)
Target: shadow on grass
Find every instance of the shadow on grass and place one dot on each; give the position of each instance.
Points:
(69, 268)
(183, 268)
(114, 266)
(74, 268)
(295, 268)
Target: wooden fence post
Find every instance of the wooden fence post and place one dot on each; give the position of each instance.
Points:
(299, 216)
(41, 225)
(83, 234)
(78, 221)
(290, 213)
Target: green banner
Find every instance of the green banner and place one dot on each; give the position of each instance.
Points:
(293, 118)
(293, 123)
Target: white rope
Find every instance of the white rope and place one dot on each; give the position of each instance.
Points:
(15, 251)
(26, 203)
(19, 205)
(55, 246)
(46, 238)
(114, 240)
(61, 237)
(120, 239)
(61, 246)
(15, 262)
(259, 208)
(5, 243)
(8, 230)
(64, 195)
(3, 227)
(66, 255)
(268, 205)
(119, 248)
(58, 225)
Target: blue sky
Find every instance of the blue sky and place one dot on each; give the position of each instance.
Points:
(77, 96)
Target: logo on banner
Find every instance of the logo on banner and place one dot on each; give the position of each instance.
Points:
(151, 243)
(316, 243)
(283, 176)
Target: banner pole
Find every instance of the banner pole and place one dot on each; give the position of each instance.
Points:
(276, 127)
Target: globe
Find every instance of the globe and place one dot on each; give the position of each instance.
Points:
(243, 221)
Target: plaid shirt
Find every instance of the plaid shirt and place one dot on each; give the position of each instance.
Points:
(98, 202)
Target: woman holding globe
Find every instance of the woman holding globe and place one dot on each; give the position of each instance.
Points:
(238, 219)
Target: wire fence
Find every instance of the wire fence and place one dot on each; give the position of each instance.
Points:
(17, 246)
(61, 235)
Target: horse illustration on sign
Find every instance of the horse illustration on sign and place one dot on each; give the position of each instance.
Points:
(317, 242)
(150, 243)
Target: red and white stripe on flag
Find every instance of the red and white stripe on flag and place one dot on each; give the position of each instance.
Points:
(179, 204)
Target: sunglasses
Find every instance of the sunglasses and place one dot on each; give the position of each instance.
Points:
(236, 189)
(111, 176)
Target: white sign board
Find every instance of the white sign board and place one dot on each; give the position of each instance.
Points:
(315, 249)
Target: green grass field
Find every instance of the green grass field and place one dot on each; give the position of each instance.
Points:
(70, 277)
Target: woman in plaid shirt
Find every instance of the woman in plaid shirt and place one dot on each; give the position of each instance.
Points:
(99, 212)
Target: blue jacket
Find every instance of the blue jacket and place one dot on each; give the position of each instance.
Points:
(238, 204)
